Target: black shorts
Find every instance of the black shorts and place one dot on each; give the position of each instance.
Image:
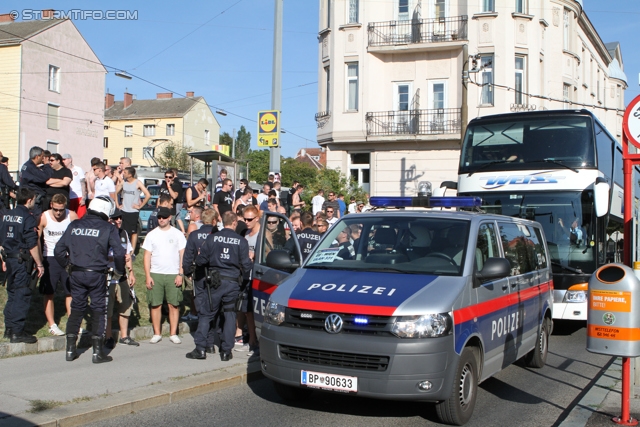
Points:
(53, 275)
(130, 222)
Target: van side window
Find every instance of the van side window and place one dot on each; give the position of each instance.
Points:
(538, 247)
(487, 245)
(518, 247)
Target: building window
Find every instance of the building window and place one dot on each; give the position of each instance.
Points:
(402, 97)
(128, 131)
(359, 165)
(488, 5)
(486, 67)
(352, 86)
(438, 95)
(148, 152)
(598, 94)
(353, 11)
(520, 79)
(566, 95)
(440, 9)
(403, 10)
(105, 142)
(327, 72)
(171, 130)
(565, 30)
(106, 127)
(521, 6)
(53, 116)
(128, 152)
(207, 141)
(328, 14)
(52, 146)
(149, 130)
(54, 78)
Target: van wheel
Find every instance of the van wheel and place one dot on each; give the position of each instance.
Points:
(458, 408)
(290, 393)
(537, 357)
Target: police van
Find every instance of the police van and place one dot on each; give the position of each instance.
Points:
(404, 304)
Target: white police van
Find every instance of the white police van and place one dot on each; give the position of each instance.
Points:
(404, 304)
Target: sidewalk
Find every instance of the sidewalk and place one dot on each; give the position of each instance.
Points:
(44, 389)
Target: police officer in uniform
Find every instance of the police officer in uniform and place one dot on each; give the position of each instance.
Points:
(34, 177)
(308, 238)
(228, 253)
(19, 238)
(7, 187)
(85, 246)
(197, 275)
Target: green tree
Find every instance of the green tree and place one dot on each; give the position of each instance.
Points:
(243, 143)
(333, 180)
(293, 169)
(174, 155)
(258, 165)
(226, 139)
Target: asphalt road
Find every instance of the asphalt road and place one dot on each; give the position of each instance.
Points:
(517, 396)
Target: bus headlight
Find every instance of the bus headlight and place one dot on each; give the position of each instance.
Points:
(274, 313)
(427, 326)
(576, 293)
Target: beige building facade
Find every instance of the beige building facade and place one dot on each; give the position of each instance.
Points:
(139, 129)
(399, 80)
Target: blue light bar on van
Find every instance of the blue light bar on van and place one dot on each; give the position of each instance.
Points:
(359, 320)
(425, 202)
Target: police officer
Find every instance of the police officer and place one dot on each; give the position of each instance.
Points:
(227, 253)
(85, 246)
(35, 177)
(307, 238)
(7, 187)
(19, 238)
(197, 275)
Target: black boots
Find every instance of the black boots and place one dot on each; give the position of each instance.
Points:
(225, 357)
(197, 354)
(210, 350)
(7, 333)
(22, 337)
(72, 354)
(98, 354)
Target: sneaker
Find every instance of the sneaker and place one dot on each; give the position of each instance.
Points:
(189, 317)
(128, 341)
(54, 330)
(243, 347)
(175, 339)
(155, 339)
(110, 343)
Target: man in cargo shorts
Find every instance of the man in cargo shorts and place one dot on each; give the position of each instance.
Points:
(164, 249)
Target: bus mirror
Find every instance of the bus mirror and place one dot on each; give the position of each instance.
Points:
(601, 197)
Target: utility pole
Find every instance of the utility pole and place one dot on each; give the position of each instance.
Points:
(233, 144)
(276, 81)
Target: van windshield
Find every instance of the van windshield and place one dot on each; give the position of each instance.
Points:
(404, 244)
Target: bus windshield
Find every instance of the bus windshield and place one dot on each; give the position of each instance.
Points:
(533, 143)
(566, 217)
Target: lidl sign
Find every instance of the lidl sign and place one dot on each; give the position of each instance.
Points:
(268, 128)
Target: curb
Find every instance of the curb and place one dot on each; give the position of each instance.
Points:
(138, 399)
(59, 343)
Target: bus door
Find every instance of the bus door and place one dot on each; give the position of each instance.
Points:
(276, 233)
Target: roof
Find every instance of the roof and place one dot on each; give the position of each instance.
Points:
(316, 157)
(615, 71)
(151, 108)
(210, 156)
(14, 33)
(611, 48)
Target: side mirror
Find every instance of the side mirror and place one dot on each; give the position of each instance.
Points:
(281, 260)
(494, 268)
(601, 196)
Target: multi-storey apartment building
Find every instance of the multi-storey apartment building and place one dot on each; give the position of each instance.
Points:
(399, 79)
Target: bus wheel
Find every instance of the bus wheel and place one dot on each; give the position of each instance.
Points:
(290, 393)
(537, 357)
(458, 408)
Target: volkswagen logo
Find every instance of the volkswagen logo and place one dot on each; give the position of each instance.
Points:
(333, 324)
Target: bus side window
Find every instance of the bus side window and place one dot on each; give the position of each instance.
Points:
(486, 246)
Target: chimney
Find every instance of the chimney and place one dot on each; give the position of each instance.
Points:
(7, 17)
(128, 99)
(190, 94)
(47, 13)
(108, 101)
(165, 95)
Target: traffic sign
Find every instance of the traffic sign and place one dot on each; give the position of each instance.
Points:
(268, 128)
(631, 121)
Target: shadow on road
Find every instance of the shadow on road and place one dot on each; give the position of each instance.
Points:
(567, 327)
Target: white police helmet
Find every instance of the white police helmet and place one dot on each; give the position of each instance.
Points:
(103, 205)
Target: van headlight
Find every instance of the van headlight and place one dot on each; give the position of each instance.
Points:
(575, 296)
(426, 326)
(274, 314)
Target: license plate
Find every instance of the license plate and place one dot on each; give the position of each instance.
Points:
(333, 382)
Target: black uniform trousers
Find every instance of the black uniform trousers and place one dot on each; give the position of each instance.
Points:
(223, 301)
(18, 295)
(88, 284)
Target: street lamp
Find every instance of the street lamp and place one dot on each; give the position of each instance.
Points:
(123, 75)
(221, 112)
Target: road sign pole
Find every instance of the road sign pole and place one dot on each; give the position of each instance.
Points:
(276, 82)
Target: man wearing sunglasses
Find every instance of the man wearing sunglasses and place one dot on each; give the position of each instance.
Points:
(35, 177)
(60, 179)
(171, 187)
(53, 224)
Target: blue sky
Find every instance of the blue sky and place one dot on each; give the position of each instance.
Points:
(223, 49)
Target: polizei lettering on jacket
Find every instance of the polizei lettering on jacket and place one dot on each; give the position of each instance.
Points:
(228, 240)
(11, 218)
(505, 324)
(85, 232)
(358, 289)
(309, 236)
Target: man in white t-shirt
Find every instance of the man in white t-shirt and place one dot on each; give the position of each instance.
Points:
(164, 248)
(317, 202)
(104, 185)
(77, 188)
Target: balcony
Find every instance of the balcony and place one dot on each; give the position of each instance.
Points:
(417, 34)
(322, 118)
(414, 122)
